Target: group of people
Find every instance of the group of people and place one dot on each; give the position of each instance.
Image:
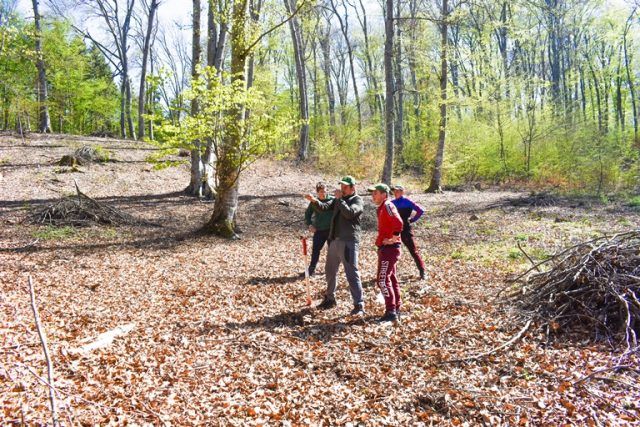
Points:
(336, 220)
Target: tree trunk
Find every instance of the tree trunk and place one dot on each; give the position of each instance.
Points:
(217, 37)
(387, 170)
(123, 116)
(411, 54)
(45, 120)
(229, 161)
(635, 114)
(399, 92)
(371, 71)
(301, 76)
(126, 25)
(436, 176)
(143, 71)
(326, 68)
(197, 169)
(128, 107)
(344, 28)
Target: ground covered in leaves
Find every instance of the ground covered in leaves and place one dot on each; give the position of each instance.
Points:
(216, 332)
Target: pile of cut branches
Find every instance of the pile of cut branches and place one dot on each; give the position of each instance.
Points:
(535, 200)
(82, 210)
(594, 285)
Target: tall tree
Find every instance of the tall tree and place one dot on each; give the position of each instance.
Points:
(197, 169)
(217, 29)
(387, 170)
(635, 114)
(343, 20)
(229, 160)
(436, 175)
(325, 46)
(44, 124)
(301, 77)
(399, 89)
(151, 24)
(118, 26)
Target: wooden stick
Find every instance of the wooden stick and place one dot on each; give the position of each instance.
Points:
(508, 344)
(306, 269)
(45, 349)
(528, 257)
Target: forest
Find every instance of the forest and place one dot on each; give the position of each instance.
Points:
(532, 93)
(155, 157)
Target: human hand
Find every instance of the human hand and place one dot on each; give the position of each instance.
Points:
(337, 194)
(312, 229)
(391, 240)
(310, 197)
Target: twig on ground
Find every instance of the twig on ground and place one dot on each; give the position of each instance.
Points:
(528, 257)
(45, 349)
(517, 337)
(601, 370)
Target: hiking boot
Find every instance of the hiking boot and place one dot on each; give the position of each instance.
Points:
(389, 316)
(327, 304)
(358, 310)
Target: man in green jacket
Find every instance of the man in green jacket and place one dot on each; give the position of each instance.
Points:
(344, 243)
(319, 223)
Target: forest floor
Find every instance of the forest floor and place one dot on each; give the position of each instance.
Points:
(216, 332)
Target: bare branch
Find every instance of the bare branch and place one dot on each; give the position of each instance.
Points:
(275, 27)
(45, 349)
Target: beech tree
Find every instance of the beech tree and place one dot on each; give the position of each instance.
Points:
(44, 120)
(151, 9)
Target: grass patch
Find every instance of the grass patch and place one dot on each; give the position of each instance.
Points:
(634, 202)
(55, 233)
(515, 254)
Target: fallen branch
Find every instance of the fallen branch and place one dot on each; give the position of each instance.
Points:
(45, 349)
(104, 339)
(517, 337)
(528, 257)
(601, 370)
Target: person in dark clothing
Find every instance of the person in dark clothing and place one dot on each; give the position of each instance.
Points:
(405, 208)
(344, 243)
(388, 243)
(319, 223)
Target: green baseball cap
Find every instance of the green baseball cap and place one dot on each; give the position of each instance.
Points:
(380, 187)
(348, 180)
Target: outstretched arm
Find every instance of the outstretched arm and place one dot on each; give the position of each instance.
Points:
(323, 206)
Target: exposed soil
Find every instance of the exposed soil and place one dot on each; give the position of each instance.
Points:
(220, 334)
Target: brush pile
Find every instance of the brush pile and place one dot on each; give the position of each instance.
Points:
(591, 287)
(81, 210)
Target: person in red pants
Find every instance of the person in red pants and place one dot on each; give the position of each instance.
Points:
(388, 243)
(405, 208)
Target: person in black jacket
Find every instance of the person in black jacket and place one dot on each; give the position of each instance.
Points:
(344, 243)
(319, 223)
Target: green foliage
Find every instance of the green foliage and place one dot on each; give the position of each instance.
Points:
(83, 98)
(635, 202)
(54, 233)
(263, 126)
(82, 95)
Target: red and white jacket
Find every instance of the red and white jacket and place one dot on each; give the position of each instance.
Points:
(389, 222)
